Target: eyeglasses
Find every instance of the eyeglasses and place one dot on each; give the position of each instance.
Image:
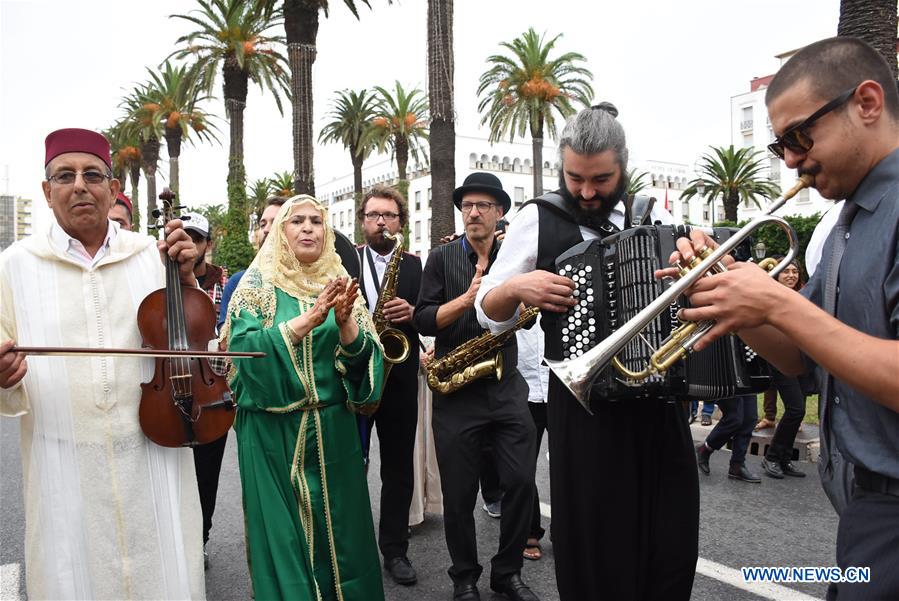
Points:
(797, 138)
(67, 178)
(374, 216)
(483, 207)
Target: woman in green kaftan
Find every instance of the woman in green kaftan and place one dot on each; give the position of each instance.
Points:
(308, 516)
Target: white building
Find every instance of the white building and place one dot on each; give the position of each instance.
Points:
(751, 127)
(510, 162)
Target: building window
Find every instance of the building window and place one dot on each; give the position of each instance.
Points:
(519, 196)
(774, 169)
(418, 231)
(418, 200)
(685, 210)
(748, 141)
(341, 219)
(428, 202)
(746, 119)
(705, 213)
(803, 196)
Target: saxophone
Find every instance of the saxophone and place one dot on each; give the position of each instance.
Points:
(478, 358)
(396, 345)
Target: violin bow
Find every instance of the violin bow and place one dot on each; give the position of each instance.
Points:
(62, 351)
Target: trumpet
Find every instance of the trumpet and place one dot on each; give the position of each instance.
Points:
(578, 374)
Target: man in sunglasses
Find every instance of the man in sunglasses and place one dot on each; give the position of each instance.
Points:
(835, 109)
(108, 513)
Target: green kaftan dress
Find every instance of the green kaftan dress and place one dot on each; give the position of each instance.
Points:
(309, 527)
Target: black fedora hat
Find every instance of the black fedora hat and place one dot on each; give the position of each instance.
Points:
(483, 182)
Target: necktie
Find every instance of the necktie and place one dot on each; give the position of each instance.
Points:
(836, 475)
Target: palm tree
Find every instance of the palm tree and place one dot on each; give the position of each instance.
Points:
(350, 125)
(176, 92)
(301, 27)
(734, 176)
(143, 124)
(873, 21)
(523, 91)
(442, 141)
(258, 194)
(401, 125)
(126, 161)
(233, 34)
(636, 182)
(282, 184)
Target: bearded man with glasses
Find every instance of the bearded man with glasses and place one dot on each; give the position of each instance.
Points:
(384, 210)
(486, 411)
(108, 513)
(836, 106)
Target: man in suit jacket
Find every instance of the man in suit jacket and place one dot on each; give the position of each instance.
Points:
(385, 210)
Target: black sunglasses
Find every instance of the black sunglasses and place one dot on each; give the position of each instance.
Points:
(797, 138)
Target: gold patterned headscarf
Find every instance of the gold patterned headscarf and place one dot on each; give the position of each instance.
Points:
(276, 266)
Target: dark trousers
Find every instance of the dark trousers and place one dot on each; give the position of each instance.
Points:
(538, 414)
(490, 488)
(464, 422)
(625, 499)
(397, 421)
(739, 416)
(794, 410)
(868, 536)
(208, 465)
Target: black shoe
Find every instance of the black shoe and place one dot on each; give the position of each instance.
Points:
(466, 592)
(401, 570)
(514, 588)
(741, 472)
(705, 419)
(789, 469)
(702, 459)
(772, 468)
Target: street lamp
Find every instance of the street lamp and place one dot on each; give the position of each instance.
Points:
(760, 250)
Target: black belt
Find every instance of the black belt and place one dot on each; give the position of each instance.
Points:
(876, 482)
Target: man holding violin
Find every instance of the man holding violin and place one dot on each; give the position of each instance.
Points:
(108, 513)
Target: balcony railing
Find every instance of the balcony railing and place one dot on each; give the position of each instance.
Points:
(746, 125)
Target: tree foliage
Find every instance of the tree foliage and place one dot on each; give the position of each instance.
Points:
(734, 176)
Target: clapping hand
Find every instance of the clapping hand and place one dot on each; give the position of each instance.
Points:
(345, 299)
(325, 301)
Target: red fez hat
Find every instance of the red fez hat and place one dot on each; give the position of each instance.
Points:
(77, 140)
(125, 201)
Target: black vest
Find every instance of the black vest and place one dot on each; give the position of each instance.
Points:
(458, 272)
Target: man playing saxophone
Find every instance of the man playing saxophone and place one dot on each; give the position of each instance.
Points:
(484, 410)
(386, 276)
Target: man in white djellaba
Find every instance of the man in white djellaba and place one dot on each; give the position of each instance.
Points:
(108, 514)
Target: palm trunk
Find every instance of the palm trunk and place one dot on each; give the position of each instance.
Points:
(731, 204)
(442, 138)
(301, 27)
(873, 21)
(149, 153)
(537, 156)
(173, 145)
(135, 197)
(401, 147)
(357, 196)
(235, 92)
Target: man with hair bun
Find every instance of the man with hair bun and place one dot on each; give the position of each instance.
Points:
(625, 494)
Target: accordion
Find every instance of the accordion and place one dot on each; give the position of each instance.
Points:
(614, 279)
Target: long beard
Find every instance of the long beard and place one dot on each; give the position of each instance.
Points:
(380, 244)
(607, 203)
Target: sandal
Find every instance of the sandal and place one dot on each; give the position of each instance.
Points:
(764, 423)
(532, 550)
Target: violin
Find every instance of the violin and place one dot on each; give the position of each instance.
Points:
(186, 403)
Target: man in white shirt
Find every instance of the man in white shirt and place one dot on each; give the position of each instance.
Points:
(108, 514)
(624, 487)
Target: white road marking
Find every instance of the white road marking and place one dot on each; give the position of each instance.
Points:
(722, 573)
(9, 582)
(769, 590)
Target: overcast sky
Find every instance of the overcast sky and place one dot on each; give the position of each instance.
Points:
(671, 67)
